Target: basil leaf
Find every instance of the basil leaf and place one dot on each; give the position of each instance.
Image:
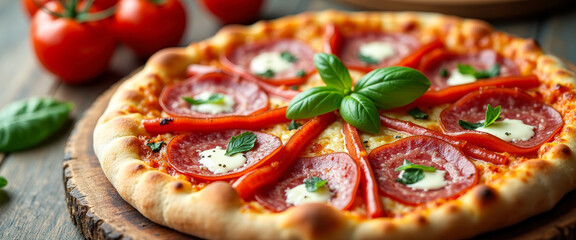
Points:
(313, 102)
(360, 112)
(468, 125)
(214, 98)
(301, 73)
(293, 125)
(268, 74)
(466, 69)
(444, 72)
(24, 124)
(392, 87)
(314, 183)
(155, 146)
(408, 165)
(492, 114)
(332, 71)
(3, 182)
(367, 59)
(411, 176)
(417, 113)
(288, 57)
(480, 74)
(241, 143)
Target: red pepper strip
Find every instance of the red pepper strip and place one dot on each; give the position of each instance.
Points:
(471, 150)
(413, 60)
(332, 39)
(183, 124)
(247, 184)
(368, 182)
(454, 93)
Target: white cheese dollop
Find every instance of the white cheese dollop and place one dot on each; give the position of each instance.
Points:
(216, 162)
(457, 78)
(377, 50)
(269, 61)
(213, 108)
(431, 180)
(509, 130)
(299, 195)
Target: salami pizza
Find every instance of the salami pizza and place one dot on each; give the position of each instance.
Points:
(337, 125)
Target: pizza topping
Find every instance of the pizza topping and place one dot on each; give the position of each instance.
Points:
(313, 190)
(416, 113)
(202, 155)
(538, 121)
(421, 177)
(459, 172)
(281, 62)
(155, 146)
(239, 97)
(382, 88)
(337, 169)
(375, 52)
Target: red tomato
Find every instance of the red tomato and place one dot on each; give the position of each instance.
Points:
(104, 4)
(147, 27)
(237, 11)
(31, 6)
(74, 51)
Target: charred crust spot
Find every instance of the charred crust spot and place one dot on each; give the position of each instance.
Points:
(135, 168)
(315, 220)
(485, 195)
(166, 121)
(420, 220)
(155, 176)
(562, 151)
(451, 208)
(178, 186)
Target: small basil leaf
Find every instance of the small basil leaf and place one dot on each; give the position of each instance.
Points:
(367, 59)
(241, 143)
(411, 176)
(24, 124)
(155, 146)
(293, 125)
(444, 72)
(408, 165)
(466, 69)
(360, 112)
(332, 71)
(492, 114)
(267, 74)
(214, 98)
(392, 87)
(468, 125)
(3, 182)
(314, 102)
(301, 73)
(417, 113)
(314, 183)
(288, 57)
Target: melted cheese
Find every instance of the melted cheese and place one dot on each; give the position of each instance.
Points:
(509, 130)
(457, 78)
(431, 180)
(377, 50)
(216, 162)
(213, 108)
(272, 61)
(299, 195)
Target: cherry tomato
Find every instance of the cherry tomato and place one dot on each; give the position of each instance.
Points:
(31, 6)
(237, 11)
(72, 50)
(146, 26)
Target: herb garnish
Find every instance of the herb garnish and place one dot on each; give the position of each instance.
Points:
(383, 88)
(314, 183)
(293, 125)
(241, 143)
(155, 146)
(492, 114)
(367, 59)
(3, 182)
(444, 72)
(479, 74)
(166, 121)
(288, 57)
(301, 73)
(267, 74)
(215, 98)
(417, 113)
(412, 172)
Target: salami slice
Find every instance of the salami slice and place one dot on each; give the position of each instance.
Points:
(183, 152)
(440, 65)
(280, 62)
(246, 97)
(515, 104)
(460, 173)
(338, 169)
(371, 50)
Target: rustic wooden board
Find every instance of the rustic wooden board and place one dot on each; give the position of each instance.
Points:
(100, 213)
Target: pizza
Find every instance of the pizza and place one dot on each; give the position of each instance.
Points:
(341, 125)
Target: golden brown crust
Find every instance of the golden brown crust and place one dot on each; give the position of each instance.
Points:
(216, 211)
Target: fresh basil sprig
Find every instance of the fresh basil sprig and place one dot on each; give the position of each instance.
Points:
(241, 143)
(24, 124)
(413, 173)
(383, 88)
(492, 114)
(214, 99)
(494, 71)
(3, 182)
(155, 146)
(314, 183)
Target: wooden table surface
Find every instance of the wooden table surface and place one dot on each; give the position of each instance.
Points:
(32, 206)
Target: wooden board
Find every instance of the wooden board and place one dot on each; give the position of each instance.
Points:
(100, 213)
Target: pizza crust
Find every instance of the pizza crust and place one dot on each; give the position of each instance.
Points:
(217, 212)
